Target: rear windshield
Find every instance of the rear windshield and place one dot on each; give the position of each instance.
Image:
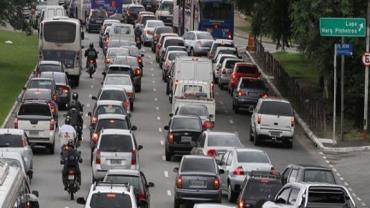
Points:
(37, 95)
(124, 179)
(122, 29)
(44, 84)
(113, 95)
(161, 30)
(252, 84)
(174, 42)
(252, 157)
(117, 52)
(111, 200)
(115, 143)
(34, 109)
(198, 165)
(58, 78)
(230, 63)
(324, 176)
(113, 69)
(10, 140)
(136, 9)
(148, 17)
(126, 60)
(172, 56)
(119, 80)
(111, 124)
(186, 123)
(206, 36)
(326, 196)
(49, 67)
(258, 189)
(110, 109)
(99, 14)
(154, 24)
(247, 69)
(193, 111)
(276, 108)
(223, 140)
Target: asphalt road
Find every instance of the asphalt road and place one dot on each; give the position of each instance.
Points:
(151, 114)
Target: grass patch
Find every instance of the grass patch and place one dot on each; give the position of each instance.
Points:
(297, 65)
(16, 63)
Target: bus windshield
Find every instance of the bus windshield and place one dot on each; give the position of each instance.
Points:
(60, 32)
(216, 11)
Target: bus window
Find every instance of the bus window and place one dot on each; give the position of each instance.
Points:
(60, 32)
(216, 11)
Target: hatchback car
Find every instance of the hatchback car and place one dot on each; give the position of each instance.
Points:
(114, 93)
(247, 93)
(135, 178)
(307, 173)
(198, 42)
(182, 136)
(197, 180)
(244, 69)
(169, 41)
(160, 43)
(219, 43)
(217, 64)
(112, 52)
(116, 148)
(157, 33)
(163, 56)
(124, 82)
(225, 71)
(169, 60)
(106, 107)
(44, 83)
(64, 91)
(238, 163)
(148, 30)
(49, 66)
(95, 20)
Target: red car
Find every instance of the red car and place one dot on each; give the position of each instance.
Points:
(242, 69)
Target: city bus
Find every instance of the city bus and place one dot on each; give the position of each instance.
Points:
(60, 40)
(215, 16)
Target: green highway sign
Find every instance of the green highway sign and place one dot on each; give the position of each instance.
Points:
(342, 27)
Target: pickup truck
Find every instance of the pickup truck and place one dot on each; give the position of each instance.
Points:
(36, 119)
(188, 92)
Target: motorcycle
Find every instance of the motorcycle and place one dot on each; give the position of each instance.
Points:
(91, 67)
(72, 183)
(138, 42)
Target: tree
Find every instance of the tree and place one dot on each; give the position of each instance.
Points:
(11, 12)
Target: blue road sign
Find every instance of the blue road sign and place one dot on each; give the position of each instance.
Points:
(345, 49)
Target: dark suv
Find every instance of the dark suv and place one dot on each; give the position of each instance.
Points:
(257, 188)
(183, 134)
(307, 173)
(95, 20)
(150, 5)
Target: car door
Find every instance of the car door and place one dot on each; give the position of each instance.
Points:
(224, 175)
(293, 175)
(146, 187)
(282, 197)
(285, 175)
(28, 152)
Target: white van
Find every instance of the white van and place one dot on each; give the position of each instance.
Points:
(15, 189)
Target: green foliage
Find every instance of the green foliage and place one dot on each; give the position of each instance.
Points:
(11, 12)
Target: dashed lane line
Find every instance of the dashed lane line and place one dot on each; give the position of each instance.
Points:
(155, 99)
(231, 121)
(169, 193)
(158, 118)
(166, 174)
(163, 158)
(160, 129)
(157, 107)
(154, 90)
(162, 142)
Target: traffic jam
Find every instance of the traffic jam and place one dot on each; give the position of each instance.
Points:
(211, 168)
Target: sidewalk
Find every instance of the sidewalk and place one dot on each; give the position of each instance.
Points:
(326, 145)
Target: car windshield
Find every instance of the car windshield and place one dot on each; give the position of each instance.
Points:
(115, 143)
(194, 111)
(13, 162)
(136, 9)
(187, 123)
(204, 35)
(132, 180)
(247, 69)
(326, 195)
(111, 200)
(110, 109)
(49, 68)
(160, 30)
(99, 14)
(44, 84)
(172, 56)
(252, 84)
(126, 60)
(166, 6)
(117, 80)
(34, 109)
(252, 157)
(113, 95)
(257, 189)
(224, 140)
(316, 175)
(111, 124)
(174, 42)
(11, 140)
(276, 108)
(154, 24)
(198, 165)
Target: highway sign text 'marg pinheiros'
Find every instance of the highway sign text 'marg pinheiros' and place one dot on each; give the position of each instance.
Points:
(342, 27)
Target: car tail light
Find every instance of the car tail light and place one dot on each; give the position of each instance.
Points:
(52, 124)
(16, 123)
(263, 94)
(259, 119)
(108, 61)
(137, 72)
(71, 172)
(141, 197)
(139, 60)
(216, 182)
(130, 94)
(241, 204)
(179, 182)
(97, 159)
(95, 138)
(242, 93)
(54, 97)
(233, 76)
(126, 105)
(133, 157)
(292, 121)
(238, 171)
(93, 120)
(212, 152)
(170, 138)
(229, 35)
(64, 89)
(223, 71)
(207, 125)
(274, 171)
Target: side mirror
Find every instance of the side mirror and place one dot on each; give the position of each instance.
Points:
(36, 193)
(94, 98)
(221, 171)
(133, 128)
(150, 184)
(140, 147)
(210, 116)
(171, 114)
(81, 200)
(166, 128)
(89, 114)
(176, 170)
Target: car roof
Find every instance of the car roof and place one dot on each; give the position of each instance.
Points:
(185, 116)
(197, 156)
(209, 132)
(277, 99)
(169, 34)
(315, 184)
(108, 102)
(120, 65)
(11, 131)
(226, 48)
(50, 62)
(309, 166)
(106, 187)
(112, 116)
(41, 79)
(118, 75)
(248, 150)
(28, 102)
(53, 73)
(111, 87)
(153, 21)
(116, 131)
(173, 38)
(123, 172)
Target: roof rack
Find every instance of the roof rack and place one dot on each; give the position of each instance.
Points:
(264, 174)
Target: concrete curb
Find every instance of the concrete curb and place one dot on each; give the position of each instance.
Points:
(304, 125)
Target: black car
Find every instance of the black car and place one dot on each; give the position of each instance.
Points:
(257, 188)
(150, 5)
(307, 173)
(247, 93)
(183, 134)
(95, 20)
(197, 180)
(64, 90)
(137, 179)
(132, 13)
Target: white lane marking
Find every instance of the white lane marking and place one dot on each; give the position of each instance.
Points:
(153, 81)
(166, 174)
(327, 161)
(349, 189)
(157, 108)
(163, 157)
(90, 95)
(158, 118)
(169, 193)
(324, 157)
(154, 89)
(87, 115)
(160, 129)
(84, 126)
(151, 62)
(335, 170)
(331, 166)
(321, 153)
(91, 86)
(341, 178)
(354, 195)
(231, 121)
(338, 174)
(359, 199)
(155, 99)
(345, 183)
(152, 75)
(149, 56)
(162, 142)
(88, 105)
(363, 204)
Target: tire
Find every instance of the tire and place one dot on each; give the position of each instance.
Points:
(72, 197)
(256, 141)
(51, 148)
(235, 108)
(91, 157)
(176, 203)
(250, 134)
(138, 88)
(131, 106)
(289, 144)
(93, 180)
(168, 155)
(231, 195)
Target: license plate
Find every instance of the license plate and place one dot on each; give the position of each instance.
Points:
(185, 139)
(115, 162)
(275, 133)
(71, 177)
(33, 132)
(198, 184)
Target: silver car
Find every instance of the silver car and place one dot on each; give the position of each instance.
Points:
(15, 140)
(225, 71)
(237, 163)
(148, 30)
(198, 42)
(15, 159)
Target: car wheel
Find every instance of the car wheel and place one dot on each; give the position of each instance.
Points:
(131, 106)
(289, 144)
(231, 195)
(93, 180)
(236, 108)
(256, 141)
(51, 148)
(138, 89)
(91, 157)
(176, 203)
(250, 134)
(168, 155)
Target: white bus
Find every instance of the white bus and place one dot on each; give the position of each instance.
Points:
(60, 40)
(15, 191)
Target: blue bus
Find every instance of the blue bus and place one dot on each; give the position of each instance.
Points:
(215, 16)
(111, 6)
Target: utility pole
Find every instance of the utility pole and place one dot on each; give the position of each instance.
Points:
(341, 93)
(335, 94)
(366, 96)
(183, 18)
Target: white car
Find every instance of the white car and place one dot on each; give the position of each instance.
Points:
(122, 81)
(16, 160)
(216, 67)
(272, 119)
(169, 60)
(116, 148)
(148, 30)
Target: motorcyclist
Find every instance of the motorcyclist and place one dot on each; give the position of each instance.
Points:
(75, 103)
(138, 32)
(91, 54)
(70, 159)
(66, 133)
(76, 121)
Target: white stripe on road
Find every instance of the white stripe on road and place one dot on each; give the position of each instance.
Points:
(345, 183)
(91, 86)
(166, 174)
(90, 95)
(152, 75)
(160, 129)
(162, 142)
(153, 81)
(163, 158)
(158, 118)
(335, 170)
(154, 89)
(157, 108)
(155, 99)
(88, 105)
(341, 178)
(169, 193)
(231, 121)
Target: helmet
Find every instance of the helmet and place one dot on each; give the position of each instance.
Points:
(74, 95)
(91, 45)
(67, 121)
